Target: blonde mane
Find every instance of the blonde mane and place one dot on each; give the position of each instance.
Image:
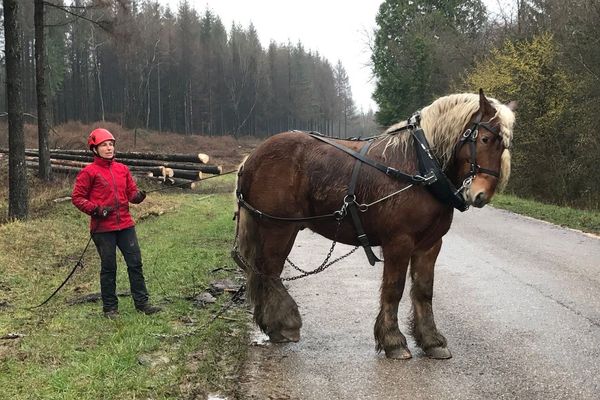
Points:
(444, 120)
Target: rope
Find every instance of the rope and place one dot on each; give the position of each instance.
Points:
(187, 183)
(77, 264)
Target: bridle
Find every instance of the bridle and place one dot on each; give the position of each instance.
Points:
(470, 137)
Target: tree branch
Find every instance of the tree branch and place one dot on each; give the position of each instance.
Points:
(100, 24)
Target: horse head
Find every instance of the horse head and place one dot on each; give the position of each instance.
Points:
(481, 154)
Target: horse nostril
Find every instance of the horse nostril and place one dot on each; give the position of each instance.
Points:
(479, 199)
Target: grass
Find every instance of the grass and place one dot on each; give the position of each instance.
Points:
(584, 220)
(73, 352)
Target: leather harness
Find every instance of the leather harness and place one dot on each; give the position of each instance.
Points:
(430, 175)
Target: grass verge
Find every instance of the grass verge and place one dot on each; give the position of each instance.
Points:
(72, 352)
(584, 220)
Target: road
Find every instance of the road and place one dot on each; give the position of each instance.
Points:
(517, 299)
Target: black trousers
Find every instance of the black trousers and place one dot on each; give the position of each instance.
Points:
(106, 244)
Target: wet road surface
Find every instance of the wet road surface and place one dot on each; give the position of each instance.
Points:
(517, 299)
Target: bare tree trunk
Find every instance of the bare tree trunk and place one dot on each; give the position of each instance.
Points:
(97, 69)
(159, 102)
(17, 172)
(45, 169)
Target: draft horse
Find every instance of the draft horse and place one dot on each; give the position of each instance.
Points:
(294, 178)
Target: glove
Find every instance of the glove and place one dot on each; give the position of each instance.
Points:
(101, 212)
(139, 197)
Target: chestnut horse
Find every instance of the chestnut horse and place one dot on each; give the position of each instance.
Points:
(294, 175)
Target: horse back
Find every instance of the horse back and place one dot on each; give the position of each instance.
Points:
(294, 175)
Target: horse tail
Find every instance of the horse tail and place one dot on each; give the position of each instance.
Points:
(243, 251)
(236, 212)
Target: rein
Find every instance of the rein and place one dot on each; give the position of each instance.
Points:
(194, 181)
(78, 264)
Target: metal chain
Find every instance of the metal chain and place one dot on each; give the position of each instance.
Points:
(304, 273)
(321, 268)
(325, 264)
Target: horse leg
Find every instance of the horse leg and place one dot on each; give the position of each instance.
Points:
(424, 331)
(262, 253)
(387, 333)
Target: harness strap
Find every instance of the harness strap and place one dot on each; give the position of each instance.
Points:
(442, 188)
(351, 205)
(242, 202)
(393, 172)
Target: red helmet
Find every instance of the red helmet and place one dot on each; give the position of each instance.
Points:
(98, 136)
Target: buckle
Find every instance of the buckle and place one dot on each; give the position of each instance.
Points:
(391, 171)
(428, 179)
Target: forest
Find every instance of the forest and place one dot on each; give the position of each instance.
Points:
(544, 54)
(142, 65)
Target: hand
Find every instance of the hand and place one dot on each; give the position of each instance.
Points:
(139, 197)
(101, 212)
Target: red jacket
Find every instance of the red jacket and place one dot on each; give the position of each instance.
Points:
(105, 183)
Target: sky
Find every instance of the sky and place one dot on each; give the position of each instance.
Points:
(337, 29)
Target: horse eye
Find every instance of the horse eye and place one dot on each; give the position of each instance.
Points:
(485, 139)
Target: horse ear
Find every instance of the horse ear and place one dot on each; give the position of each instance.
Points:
(484, 104)
(512, 105)
(482, 100)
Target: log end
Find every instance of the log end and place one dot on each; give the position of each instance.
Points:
(204, 158)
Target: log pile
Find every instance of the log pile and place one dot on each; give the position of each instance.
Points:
(182, 170)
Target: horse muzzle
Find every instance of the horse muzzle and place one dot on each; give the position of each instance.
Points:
(477, 198)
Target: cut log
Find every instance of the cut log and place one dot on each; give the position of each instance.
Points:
(56, 168)
(209, 169)
(182, 183)
(168, 164)
(69, 163)
(151, 177)
(157, 171)
(66, 163)
(193, 157)
(187, 174)
(60, 156)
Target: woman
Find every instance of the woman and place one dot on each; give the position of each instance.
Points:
(104, 190)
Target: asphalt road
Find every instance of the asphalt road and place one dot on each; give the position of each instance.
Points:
(517, 299)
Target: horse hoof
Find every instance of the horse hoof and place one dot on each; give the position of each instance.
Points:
(439, 353)
(285, 336)
(398, 354)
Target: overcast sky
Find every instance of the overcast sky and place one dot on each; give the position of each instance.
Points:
(337, 29)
